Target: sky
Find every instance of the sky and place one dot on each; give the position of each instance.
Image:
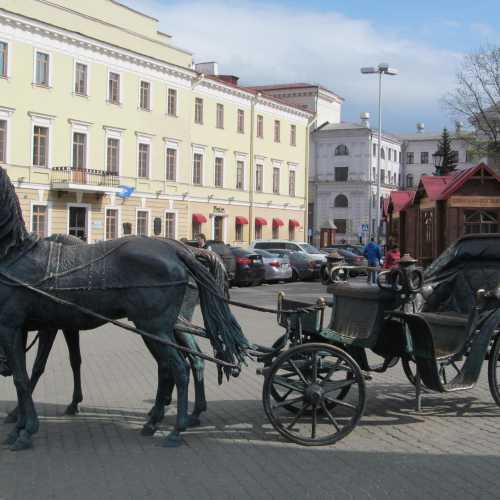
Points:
(327, 42)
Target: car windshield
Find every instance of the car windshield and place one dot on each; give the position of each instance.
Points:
(264, 253)
(309, 248)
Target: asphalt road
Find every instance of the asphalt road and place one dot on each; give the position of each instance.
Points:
(450, 450)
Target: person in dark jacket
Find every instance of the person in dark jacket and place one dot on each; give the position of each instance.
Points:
(372, 254)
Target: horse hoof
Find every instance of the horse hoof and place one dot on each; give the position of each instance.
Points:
(23, 442)
(71, 410)
(194, 421)
(174, 440)
(11, 438)
(11, 418)
(148, 430)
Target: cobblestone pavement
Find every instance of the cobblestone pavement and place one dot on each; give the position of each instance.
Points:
(450, 450)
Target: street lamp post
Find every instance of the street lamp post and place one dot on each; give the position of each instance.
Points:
(381, 69)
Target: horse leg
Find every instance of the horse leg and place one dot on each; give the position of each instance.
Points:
(157, 412)
(72, 338)
(13, 342)
(197, 368)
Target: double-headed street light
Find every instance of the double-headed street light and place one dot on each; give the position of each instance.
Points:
(381, 69)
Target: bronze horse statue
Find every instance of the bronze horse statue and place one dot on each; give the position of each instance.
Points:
(46, 338)
(138, 278)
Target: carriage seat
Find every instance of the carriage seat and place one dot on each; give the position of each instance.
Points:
(358, 312)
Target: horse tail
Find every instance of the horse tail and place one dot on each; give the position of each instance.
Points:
(225, 334)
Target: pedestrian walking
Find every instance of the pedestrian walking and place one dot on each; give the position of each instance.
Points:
(372, 254)
(392, 257)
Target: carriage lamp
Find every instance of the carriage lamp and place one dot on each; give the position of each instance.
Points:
(438, 157)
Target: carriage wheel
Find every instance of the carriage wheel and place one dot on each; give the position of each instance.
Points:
(447, 369)
(409, 369)
(493, 368)
(310, 378)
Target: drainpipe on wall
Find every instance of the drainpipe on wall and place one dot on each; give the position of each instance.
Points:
(251, 171)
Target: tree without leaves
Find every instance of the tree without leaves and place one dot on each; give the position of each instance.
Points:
(477, 98)
(449, 163)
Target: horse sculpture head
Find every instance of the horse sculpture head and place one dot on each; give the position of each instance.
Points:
(12, 228)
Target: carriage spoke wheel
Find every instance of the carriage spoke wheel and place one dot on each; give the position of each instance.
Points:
(494, 369)
(447, 369)
(314, 394)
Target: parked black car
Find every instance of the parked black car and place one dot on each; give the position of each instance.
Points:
(250, 268)
(224, 252)
(303, 266)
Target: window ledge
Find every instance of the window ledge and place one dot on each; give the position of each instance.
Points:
(171, 115)
(119, 104)
(76, 94)
(5, 77)
(146, 110)
(41, 86)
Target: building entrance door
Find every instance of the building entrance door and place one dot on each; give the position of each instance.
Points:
(219, 228)
(78, 222)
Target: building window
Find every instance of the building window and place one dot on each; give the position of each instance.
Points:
(469, 156)
(293, 135)
(240, 126)
(240, 174)
(260, 126)
(374, 173)
(424, 157)
(3, 141)
(219, 172)
(291, 233)
(341, 201)
(114, 88)
(399, 154)
(195, 229)
(172, 102)
(259, 177)
(276, 180)
(291, 183)
(341, 150)
(113, 155)
(382, 154)
(145, 96)
(341, 174)
(143, 160)
(374, 150)
(142, 223)
(374, 201)
(277, 131)
(79, 150)
(410, 157)
(480, 221)
(198, 110)
(258, 231)
(389, 154)
(276, 232)
(40, 146)
(454, 156)
(170, 225)
(3, 59)
(238, 231)
(111, 223)
(382, 176)
(39, 221)
(409, 181)
(171, 166)
(81, 75)
(197, 169)
(219, 119)
(42, 69)
(341, 225)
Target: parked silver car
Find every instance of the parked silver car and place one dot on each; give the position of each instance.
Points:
(277, 268)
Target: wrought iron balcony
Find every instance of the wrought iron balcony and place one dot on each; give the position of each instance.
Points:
(84, 179)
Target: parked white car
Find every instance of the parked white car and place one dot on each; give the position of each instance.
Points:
(294, 246)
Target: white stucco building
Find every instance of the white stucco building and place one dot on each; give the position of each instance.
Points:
(342, 179)
(418, 148)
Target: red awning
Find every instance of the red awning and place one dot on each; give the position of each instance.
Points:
(260, 221)
(278, 223)
(241, 220)
(199, 218)
(293, 223)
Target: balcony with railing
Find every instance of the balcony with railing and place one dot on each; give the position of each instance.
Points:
(84, 179)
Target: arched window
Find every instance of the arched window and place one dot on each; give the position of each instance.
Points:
(341, 150)
(341, 201)
(382, 153)
(409, 181)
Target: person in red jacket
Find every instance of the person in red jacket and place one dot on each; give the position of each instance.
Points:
(392, 258)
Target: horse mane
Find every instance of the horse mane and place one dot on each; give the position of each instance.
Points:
(12, 228)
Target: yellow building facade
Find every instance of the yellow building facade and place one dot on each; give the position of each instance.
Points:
(106, 129)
